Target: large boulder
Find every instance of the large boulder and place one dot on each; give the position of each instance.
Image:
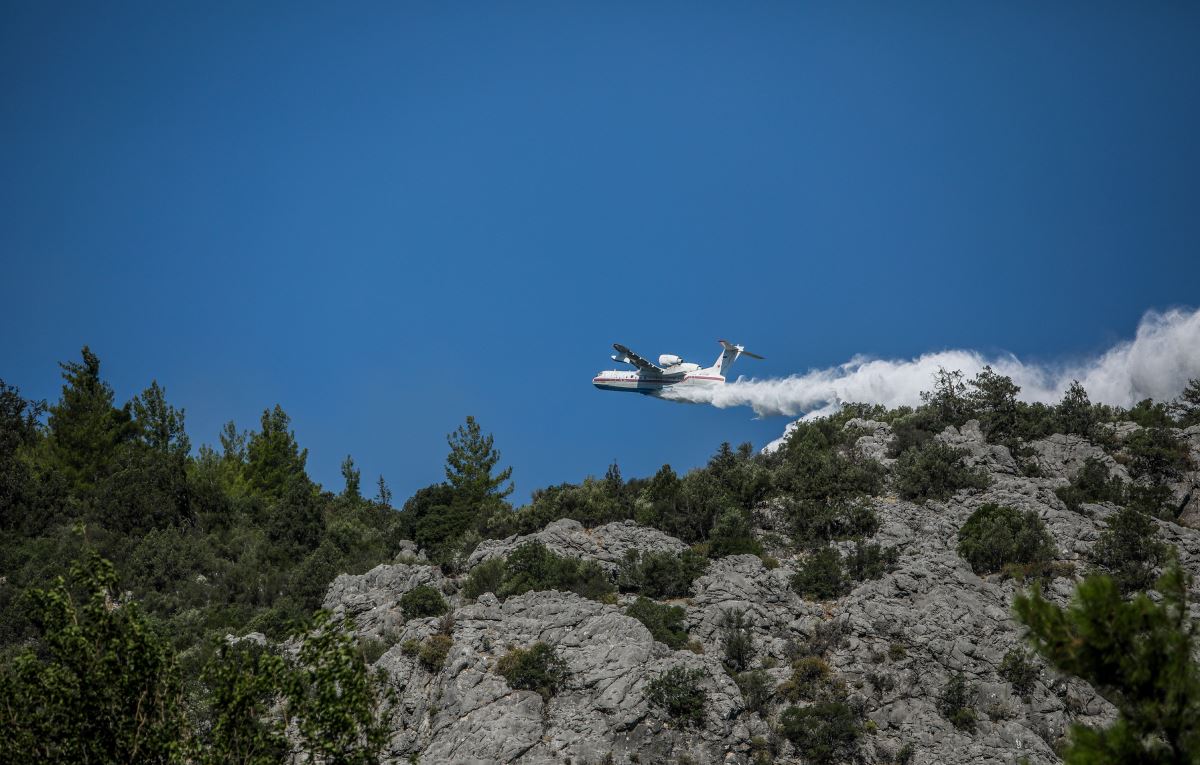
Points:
(372, 600)
(606, 545)
(465, 713)
(977, 452)
(1062, 455)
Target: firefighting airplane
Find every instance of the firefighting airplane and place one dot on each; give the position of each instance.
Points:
(671, 371)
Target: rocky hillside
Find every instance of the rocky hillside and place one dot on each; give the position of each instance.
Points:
(892, 645)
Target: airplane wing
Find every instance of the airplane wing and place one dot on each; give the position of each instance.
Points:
(637, 360)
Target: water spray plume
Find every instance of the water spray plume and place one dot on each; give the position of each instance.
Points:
(1157, 363)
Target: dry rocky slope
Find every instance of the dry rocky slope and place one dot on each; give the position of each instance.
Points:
(928, 618)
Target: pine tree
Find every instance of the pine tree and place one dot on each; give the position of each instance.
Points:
(993, 400)
(1075, 412)
(18, 433)
(352, 476)
(274, 459)
(85, 428)
(469, 467)
(233, 444)
(384, 497)
(947, 399)
(161, 424)
(1187, 406)
(1140, 654)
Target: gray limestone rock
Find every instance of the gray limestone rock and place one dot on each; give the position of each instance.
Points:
(875, 441)
(1061, 456)
(606, 545)
(372, 600)
(467, 713)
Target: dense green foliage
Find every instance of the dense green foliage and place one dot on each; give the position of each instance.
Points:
(341, 711)
(1093, 483)
(666, 623)
(532, 566)
(433, 650)
(821, 576)
(1129, 550)
(956, 702)
(737, 639)
(811, 680)
(537, 668)
(660, 574)
(935, 471)
(1139, 653)
(824, 732)
(106, 689)
(423, 601)
(678, 693)
(103, 687)
(245, 680)
(1187, 407)
(756, 689)
(1019, 669)
(826, 574)
(996, 536)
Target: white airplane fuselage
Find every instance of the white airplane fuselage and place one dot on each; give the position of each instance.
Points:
(653, 385)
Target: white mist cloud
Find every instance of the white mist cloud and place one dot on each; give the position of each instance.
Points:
(1156, 364)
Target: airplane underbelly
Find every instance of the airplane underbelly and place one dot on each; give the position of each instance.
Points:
(635, 384)
(630, 385)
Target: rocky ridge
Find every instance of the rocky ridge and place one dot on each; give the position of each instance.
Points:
(895, 640)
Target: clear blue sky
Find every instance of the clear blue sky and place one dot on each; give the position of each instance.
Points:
(388, 216)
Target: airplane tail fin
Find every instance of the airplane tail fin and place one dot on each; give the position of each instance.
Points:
(730, 354)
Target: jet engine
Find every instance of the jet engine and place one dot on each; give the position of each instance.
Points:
(669, 360)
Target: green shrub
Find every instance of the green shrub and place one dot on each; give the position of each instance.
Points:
(74, 699)
(1149, 414)
(1157, 456)
(913, 432)
(372, 648)
(811, 680)
(537, 668)
(813, 467)
(996, 535)
(485, 577)
(433, 652)
(1092, 484)
(816, 523)
(737, 639)
(533, 567)
(660, 574)
(666, 623)
(731, 535)
(881, 682)
(756, 691)
(677, 692)
(870, 561)
(955, 702)
(1142, 650)
(820, 576)
(935, 471)
(423, 601)
(1019, 669)
(1075, 413)
(1187, 406)
(1128, 550)
(825, 732)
